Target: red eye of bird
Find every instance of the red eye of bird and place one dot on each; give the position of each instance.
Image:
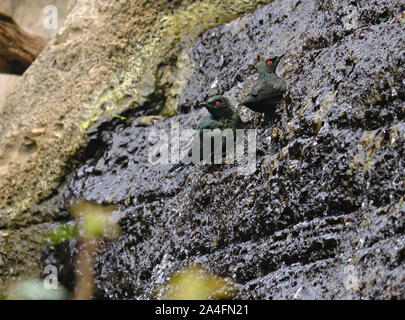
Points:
(269, 63)
(217, 103)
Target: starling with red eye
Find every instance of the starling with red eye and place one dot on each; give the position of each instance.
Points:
(268, 90)
(222, 115)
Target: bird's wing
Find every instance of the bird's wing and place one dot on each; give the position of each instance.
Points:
(198, 143)
(204, 122)
(208, 145)
(199, 148)
(210, 124)
(264, 90)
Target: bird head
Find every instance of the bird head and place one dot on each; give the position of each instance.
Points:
(269, 65)
(219, 107)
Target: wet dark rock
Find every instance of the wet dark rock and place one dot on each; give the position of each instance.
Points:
(323, 216)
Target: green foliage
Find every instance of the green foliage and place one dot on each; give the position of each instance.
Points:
(60, 233)
(119, 117)
(195, 283)
(94, 220)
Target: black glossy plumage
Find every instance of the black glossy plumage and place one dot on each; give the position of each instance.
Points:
(222, 115)
(268, 90)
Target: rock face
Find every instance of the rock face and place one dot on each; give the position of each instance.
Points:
(7, 84)
(30, 16)
(323, 215)
(110, 56)
(18, 49)
(20, 248)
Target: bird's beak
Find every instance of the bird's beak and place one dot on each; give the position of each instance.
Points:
(281, 57)
(202, 104)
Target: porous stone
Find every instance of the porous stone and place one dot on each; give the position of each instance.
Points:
(110, 57)
(323, 215)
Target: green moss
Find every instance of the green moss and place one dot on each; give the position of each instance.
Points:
(61, 233)
(119, 117)
(141, 81)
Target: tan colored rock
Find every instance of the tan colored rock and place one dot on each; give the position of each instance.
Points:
(30, 15)
(7, 84)
(38, 131)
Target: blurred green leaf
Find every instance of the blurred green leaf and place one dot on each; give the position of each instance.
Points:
(34, 289)
(96, 225)
(61, 233)
(95, 219)
(195, 283)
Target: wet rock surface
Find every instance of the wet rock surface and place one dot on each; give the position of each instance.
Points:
(322, 217)
(107, 57)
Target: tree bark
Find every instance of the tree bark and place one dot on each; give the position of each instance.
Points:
(18, 49)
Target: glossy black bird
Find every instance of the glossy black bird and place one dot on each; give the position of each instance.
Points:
(222, 115)
(268, 90)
